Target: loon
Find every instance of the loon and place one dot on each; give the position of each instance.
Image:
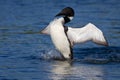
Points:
(65, 37)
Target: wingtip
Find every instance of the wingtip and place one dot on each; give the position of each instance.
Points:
(105, 44)
(44, 31)
(41, 32)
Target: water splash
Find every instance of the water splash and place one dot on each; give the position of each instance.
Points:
(100, 55)
(51, 54)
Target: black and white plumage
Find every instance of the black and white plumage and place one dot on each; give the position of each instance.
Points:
(64, 37)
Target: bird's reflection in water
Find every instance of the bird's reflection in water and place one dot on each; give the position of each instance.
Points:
(64, 70)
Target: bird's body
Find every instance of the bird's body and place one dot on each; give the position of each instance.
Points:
(59, 37)
(65, 37)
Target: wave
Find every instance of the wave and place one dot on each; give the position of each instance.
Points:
(98, 55)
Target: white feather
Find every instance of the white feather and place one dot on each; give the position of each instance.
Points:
(86, 33)
(46, 30)
(80, 35)
(59, 37)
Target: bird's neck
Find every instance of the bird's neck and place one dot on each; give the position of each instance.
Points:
(61, 19)
(66, 19)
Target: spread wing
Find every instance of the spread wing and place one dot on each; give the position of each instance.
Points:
(86, 33)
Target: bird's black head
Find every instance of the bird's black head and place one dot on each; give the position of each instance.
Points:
(67, 13)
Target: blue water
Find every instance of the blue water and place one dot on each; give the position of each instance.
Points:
(27, 55)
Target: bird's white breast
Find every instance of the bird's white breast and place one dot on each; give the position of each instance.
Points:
(59, 37)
